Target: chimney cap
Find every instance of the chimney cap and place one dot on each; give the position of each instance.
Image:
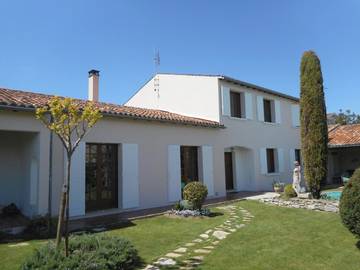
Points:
(94, 72)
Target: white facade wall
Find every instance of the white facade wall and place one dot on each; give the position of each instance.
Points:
(210, 99)
(254, 134)
(184, 94)
(29, 140)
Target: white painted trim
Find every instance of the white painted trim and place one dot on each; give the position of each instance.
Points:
(77, 180)
(260, 108)
(295, 115)
(248, 105)
(130, 176)
(34, 177)
(277, 105)
(280, 154)
(174, 173)
(208, 168)
(292, 158)
(263, 161)
(225, 93)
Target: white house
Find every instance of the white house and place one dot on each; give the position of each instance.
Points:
(231, 135)
(261, 140)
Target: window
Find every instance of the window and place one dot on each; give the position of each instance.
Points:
(270, 158)
(189, 164)
(298, 155)
(236, 105)
(268, 111)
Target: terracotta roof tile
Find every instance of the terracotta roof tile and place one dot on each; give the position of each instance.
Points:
(30, 100)
(344, 135)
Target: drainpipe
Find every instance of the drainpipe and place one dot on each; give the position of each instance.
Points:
(50, 181)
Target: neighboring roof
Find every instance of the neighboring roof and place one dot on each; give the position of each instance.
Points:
(242, 83)
(21, 100)
(344, 135)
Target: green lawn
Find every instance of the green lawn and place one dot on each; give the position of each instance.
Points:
(277, 238)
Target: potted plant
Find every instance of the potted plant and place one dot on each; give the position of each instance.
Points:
(278, 187)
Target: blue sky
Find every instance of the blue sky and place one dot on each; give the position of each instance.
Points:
(48, 46)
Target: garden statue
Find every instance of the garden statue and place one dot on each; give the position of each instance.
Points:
(297, 178)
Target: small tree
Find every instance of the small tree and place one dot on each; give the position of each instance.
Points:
(70, 122)
(314, 130)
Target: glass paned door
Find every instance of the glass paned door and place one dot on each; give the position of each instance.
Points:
(101, 176)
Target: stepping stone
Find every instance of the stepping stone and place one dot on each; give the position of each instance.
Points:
(173, 255)
(240, 226)
(151, 267)
(180, 250)
(19, 245)
(215, 242)
(232, 230)
(197, 240)
(208, 231)
(204, 251)
(189, 244)
(197, 258)
(165, 262)
(209, 247)
(220, 234)
(204, 236)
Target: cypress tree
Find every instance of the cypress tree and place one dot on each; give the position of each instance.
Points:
(314, 130)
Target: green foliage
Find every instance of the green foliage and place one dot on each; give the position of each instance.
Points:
(350, 204)
(314, 130)
(195, 193)
(347, 118)
(289, 191)
(68, 119)
(91, 252)
(186, 205)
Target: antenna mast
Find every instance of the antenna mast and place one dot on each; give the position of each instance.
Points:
(156, 78)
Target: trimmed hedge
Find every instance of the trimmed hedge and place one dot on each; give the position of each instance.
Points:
(195, 193)
(350, 204)
(88, 251)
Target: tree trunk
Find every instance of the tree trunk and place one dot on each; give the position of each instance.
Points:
(61, 215)
(67, 206)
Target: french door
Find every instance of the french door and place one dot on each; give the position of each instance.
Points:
(101, 176)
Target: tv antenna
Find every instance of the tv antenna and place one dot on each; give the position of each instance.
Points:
(156, 78)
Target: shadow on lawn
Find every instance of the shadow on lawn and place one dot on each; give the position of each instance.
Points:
(42, 230)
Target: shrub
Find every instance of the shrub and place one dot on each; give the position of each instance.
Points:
(92, 252)
(10, 210)
(195, 193)
(350, 204)
(38, 227)
(289, 191)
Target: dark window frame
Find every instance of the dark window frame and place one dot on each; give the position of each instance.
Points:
(270, 160)
(189, 158)
(298, 155)
(236, 104)
(268, 113)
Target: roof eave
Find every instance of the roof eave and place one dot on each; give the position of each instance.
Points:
(259, 88)
(133, 117)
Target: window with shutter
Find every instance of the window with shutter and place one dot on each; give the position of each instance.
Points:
(235, 104)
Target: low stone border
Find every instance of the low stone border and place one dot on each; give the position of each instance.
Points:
(191, 254)
(316, 205)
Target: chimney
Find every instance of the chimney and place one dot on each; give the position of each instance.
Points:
(94, 85)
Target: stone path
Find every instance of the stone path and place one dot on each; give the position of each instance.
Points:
(317, 205)
(191, 254)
